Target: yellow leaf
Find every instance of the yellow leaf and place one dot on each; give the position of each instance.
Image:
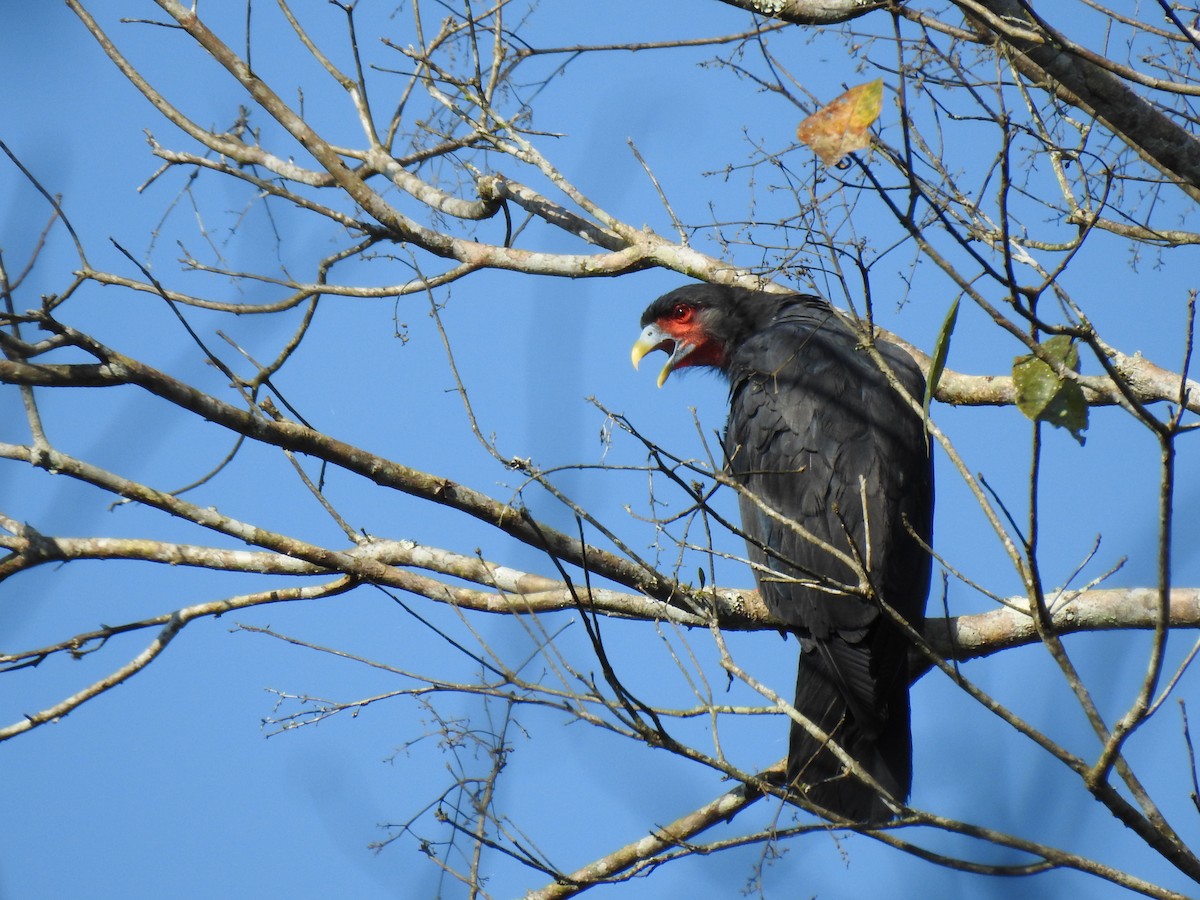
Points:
(841, 127)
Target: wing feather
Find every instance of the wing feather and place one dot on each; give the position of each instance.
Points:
(817, 434)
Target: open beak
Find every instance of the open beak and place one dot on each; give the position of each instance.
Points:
(654, 338)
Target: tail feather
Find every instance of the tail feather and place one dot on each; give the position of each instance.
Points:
(867, 713)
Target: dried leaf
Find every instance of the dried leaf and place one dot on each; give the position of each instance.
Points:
(841, 127)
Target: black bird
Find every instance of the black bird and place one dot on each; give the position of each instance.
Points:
(818, 437)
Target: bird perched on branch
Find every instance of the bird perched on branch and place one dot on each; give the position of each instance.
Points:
(836, 493)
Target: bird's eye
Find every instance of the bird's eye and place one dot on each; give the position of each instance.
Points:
(681, 312)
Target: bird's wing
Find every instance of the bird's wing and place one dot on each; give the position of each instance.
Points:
(817, 435)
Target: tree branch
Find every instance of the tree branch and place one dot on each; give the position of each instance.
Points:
(1056, 64)
(810, 12)
(666, 837)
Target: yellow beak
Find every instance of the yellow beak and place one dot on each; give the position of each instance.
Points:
(654, 338)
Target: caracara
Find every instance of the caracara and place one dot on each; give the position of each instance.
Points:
(835, 482)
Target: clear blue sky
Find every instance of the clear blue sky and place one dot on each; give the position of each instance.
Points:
(168, 785)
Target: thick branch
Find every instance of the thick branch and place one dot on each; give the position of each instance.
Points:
(510, 591)
(969, 637)
(1057, 65)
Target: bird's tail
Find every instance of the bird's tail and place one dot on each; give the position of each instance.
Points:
(844, 695)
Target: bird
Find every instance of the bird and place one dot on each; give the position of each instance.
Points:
(835, 481)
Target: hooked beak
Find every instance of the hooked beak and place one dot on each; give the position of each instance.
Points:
(654, 338)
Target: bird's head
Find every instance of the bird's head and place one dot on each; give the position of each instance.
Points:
(692, 324)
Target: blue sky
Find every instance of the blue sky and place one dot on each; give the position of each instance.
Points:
(170, 785)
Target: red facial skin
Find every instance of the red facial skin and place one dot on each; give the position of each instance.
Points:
(686, 326)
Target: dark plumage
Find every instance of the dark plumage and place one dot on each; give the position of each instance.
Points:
(818, 435)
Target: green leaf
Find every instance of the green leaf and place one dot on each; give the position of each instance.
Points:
(1045, 397)
(941, 350)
